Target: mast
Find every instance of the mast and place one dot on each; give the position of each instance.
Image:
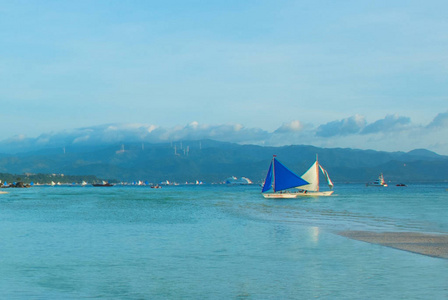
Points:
(273, 172)
(317, 171)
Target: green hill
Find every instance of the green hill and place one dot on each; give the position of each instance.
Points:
(212, 161)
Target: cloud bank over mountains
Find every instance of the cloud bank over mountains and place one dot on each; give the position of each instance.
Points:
(391, 133)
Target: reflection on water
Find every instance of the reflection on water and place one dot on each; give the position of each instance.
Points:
(314, 233)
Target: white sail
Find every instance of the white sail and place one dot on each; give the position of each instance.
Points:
(312, 176)
(381, 179)
(327, 177)
(379, 182)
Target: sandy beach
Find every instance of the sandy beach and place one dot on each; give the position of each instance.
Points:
(434, 245)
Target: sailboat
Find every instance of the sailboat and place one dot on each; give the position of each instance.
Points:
(279, 179)
(312, 176)
(379, 182)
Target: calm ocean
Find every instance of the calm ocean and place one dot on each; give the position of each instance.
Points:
(216, 242)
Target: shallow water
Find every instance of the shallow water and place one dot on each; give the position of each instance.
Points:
(216, 242)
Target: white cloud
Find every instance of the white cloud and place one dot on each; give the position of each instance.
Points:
(391, 133)
(81, 139)
(292, 126)
(17, 138)
(343, 127)
(193, 124)
(388, 124)
(441, 120)
(224, 132)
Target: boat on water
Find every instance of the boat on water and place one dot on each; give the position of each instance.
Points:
(19, 184)
(104, 183)
(312, 176)
(379, 182)
(238, 181)
(279, 179)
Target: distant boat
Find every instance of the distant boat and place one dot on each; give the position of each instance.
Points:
(279, 179)
(379, 182)
(156, 186)
(104, 183)
(312, 176)
(238, 181)
(401, 184)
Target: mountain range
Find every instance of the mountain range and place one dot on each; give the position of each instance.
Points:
(213, 161)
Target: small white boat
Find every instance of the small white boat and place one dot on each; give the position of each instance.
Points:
(379, 182)
(312, 176)
(279, 179)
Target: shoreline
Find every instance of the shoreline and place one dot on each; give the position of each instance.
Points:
(434, 245)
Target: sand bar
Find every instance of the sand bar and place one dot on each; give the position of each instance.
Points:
(435, 245)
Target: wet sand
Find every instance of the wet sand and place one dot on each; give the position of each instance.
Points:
(434, 245)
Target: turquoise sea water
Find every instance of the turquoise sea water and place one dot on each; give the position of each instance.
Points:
(216, 242)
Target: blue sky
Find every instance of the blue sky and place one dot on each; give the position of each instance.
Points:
(360, 74)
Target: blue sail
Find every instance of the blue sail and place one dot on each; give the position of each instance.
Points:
(268, 181)
(285, 178)
(281, 178)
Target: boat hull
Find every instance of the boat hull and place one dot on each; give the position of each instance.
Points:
(315, 194)
(295, 195)
(280, 195)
